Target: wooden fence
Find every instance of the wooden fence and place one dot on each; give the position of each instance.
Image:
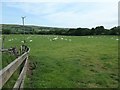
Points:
(8, 71)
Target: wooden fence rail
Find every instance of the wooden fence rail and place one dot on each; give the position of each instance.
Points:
(7, 72)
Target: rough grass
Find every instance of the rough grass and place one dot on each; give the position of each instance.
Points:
(7, 59)
(83, 62)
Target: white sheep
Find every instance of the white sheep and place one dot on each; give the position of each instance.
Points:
(61, 38)
(55, 38)
(117, 39)
(22, 41)
(9, 40)
(30, 40)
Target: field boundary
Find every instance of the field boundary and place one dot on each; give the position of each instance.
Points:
(8, 71)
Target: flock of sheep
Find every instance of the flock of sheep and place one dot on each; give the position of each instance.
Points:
(55, 38)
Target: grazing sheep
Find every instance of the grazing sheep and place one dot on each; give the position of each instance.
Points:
(9, 40)
(30, 40)
(117, 39)
(61, 38)
(55, 38)
(22, 41)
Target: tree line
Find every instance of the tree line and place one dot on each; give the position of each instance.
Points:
(19, 29)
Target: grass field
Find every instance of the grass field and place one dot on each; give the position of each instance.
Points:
(70, 61)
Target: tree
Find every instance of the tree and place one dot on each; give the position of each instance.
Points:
(99, 30)
(6, 31)
(115, 31)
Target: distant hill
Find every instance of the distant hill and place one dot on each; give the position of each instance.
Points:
(30, 29)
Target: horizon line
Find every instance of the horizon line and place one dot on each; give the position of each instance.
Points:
(58, 26)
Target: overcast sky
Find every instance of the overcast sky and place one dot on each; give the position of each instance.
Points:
(61, 14)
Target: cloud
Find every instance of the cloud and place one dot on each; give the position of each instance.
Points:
(101, 14)
(82, 20)
(82, 14)
(36, 8)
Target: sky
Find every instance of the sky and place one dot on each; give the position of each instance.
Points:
(59, 13)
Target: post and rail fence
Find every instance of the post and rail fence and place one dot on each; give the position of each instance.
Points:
(7, 72)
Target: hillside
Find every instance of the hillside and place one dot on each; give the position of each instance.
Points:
(30, 29)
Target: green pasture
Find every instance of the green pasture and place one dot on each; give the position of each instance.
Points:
(69, 61)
